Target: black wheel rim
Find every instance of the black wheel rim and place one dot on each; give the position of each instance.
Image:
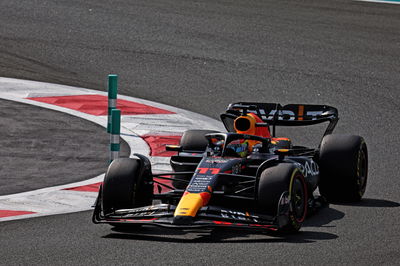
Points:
(298, 197)
(362, 171)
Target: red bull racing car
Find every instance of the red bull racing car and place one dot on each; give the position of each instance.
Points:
(244, 178)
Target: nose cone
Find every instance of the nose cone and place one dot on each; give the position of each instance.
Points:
(189, 204)
(188, 207)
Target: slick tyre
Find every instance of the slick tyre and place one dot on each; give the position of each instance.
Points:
(273, 182)
(195, 141)
(343, 165)
(125, 186)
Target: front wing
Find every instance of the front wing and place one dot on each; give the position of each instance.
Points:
(207, 217)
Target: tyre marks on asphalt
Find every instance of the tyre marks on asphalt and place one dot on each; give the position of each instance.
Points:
(146, 127)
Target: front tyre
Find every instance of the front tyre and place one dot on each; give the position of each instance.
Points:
(274, 181)
(343, 165)
(126, 185)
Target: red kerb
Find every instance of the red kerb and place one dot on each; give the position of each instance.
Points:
(98, 105)
(9, 213)
(157, 144)
(87, 188)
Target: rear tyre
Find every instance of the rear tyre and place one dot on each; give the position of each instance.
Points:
(192, 140)
(343, 163)
(276, 180)
(125, 186)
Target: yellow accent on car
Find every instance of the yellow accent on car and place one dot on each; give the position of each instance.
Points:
(283, 150)
(189, 205)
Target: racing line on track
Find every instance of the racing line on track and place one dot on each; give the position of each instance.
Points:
(146, 126)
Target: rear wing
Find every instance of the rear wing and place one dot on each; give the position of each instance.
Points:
(275, 114)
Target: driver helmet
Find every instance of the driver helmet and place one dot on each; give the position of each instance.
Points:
(238, 147)
(247, 124)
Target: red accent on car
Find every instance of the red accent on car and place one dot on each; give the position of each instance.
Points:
(306, 199)
(202, 170)
(213, 171)
(206, 197)
(269, 227)
(261, 131)
(222, 223)
(147, 220)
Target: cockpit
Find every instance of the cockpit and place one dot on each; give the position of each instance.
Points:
(235, 145)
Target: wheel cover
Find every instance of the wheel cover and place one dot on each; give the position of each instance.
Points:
(362, 171)
(298, 196)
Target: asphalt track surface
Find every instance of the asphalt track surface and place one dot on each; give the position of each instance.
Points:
(202, 55)
(42, 148)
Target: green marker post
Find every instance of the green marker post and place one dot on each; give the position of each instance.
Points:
(115, 134)
(112, 97)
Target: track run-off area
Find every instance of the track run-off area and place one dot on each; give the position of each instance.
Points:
(197, 56)
(146, 127)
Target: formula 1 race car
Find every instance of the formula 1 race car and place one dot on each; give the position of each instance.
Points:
(245, 178)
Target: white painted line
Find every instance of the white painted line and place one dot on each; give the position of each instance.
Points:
(381, 2)
(57, 200)
(93, 180)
